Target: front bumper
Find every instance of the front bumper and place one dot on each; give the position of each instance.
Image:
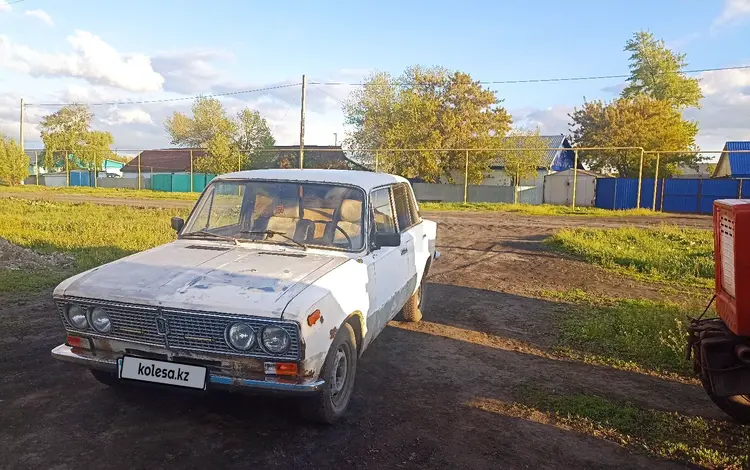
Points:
(107, 361)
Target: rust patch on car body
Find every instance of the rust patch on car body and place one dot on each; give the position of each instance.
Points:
(334, 330)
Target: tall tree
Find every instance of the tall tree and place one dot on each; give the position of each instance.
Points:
(640, 121)
(231, 143)
(524, 155)
(658, 72)
(14, 163)
(67, 134)
(425, 108)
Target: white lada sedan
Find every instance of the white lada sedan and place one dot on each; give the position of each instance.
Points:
(279, 280)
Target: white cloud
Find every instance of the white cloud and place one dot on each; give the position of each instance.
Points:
(4, 7)
(92, 60)
(127, 115)
(722, 81)
(724, 109)
(734, 11)
(550, 121)
(41, 15)
(191, 71)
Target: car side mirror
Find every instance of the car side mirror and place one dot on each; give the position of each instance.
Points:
(177, 223)
(387, 239)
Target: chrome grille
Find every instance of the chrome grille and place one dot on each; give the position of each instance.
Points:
(188, 330)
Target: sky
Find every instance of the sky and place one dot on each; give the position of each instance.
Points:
(94, 51)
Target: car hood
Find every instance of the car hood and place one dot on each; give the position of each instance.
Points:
(206, 276)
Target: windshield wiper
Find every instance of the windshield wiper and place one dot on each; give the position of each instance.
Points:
(203, 233)
(269, 233)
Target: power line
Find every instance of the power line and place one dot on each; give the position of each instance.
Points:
(165, 100)
(541, 80)
(12, 3)
(325, 92)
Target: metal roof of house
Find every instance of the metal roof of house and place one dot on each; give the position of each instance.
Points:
(552, 142)
(739, 162)
(166, 160)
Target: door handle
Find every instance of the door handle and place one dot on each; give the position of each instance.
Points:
(424, 235)
(403, 251)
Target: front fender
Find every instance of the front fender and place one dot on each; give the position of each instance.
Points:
(340, 295)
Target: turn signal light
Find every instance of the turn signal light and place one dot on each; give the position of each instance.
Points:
(78, 342)
(281, 368)
(313, 318)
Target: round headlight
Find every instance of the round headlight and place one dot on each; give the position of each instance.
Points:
(100, 320)
(240, 336)
(77, 317)
(276, 340)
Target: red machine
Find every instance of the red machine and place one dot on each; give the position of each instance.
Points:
(721, 346)
(732, 257)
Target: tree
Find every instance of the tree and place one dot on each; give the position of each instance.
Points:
(658, 72)
(230, 143)
(426, 108)
(14, 163)
(68, 132)
(640, 121)
(524, 157)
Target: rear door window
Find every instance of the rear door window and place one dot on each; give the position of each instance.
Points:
(403, 212)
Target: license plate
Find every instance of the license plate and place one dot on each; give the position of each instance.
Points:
(168, 373)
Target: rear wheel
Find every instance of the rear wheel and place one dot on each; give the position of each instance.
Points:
(737, 406)
(412, 311)
(339, 371)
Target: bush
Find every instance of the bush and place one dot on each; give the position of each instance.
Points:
(14, 164)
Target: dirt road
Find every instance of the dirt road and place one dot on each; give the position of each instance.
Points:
(485, 337)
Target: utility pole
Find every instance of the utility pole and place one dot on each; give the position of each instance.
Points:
(302, 125)
(20, 137)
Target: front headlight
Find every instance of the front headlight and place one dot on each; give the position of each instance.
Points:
(100, 320)
(275, 339)
(77, 317)
(240, 336)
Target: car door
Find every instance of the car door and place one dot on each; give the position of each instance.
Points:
(412, 239)
(389, 263)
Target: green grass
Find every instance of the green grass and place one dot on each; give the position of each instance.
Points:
(529, 209)
(642, 335)
(691, 439)
(92, 234)
(666, 253)
(102, 192)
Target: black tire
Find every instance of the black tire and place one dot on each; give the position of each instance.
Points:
(106, 378)
(737, 406)
(412, 311)
(329, 404)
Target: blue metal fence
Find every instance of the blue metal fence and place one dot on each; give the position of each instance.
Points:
(672, 195)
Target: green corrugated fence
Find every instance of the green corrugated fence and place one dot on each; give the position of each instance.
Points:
(180, 182)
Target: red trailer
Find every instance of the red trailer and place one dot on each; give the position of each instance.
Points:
(721, 346)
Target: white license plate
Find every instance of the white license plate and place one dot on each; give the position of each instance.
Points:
(168, 373)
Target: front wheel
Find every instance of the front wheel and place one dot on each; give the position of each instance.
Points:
(339, 371)
(737, 406)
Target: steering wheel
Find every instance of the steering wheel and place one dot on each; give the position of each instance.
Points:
(348, 239)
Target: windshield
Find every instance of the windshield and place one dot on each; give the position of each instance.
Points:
(292, 213)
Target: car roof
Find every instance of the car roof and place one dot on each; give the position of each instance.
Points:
(363, 179)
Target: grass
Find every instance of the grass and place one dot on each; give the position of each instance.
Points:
(102, 192)
(666, 253)
(529, 209)
(647, 336)
(691, 439)
(92, 234)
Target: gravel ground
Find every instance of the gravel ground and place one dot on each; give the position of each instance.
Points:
(484, 337)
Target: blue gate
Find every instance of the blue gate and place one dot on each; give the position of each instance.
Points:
(695, 196)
